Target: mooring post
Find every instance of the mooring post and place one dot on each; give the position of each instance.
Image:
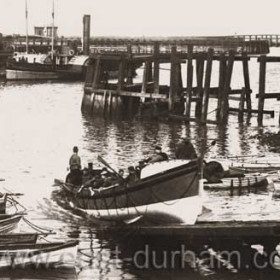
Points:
(173, 78)
(156, 67)
(189, 81)
(207, 83)
(199, 78)
(241, 104)
(227, 89)
(246, 80)
(262, 61)
(222, 78)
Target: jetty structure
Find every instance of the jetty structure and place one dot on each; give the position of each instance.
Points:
(151, 98)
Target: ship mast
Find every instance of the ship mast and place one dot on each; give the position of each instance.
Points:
(26, 26)
(52, 30)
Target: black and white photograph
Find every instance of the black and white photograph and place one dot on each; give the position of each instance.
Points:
(139, 140)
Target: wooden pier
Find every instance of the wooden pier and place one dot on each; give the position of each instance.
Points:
(149, 98)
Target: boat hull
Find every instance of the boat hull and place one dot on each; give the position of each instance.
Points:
(18, 238)
(184, 210)
(46, 255)
(37, 75)
(9, 222)
(172, 194)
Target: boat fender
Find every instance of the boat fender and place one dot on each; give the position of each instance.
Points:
(71, 52)
(213, 172)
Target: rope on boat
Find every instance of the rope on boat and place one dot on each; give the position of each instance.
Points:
(182, 195)
(37, 228)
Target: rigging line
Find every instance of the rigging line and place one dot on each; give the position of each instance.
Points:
(38, 228)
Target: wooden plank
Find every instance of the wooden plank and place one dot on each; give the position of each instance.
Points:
(269, 58)
(133, 94)
(265, 112)
(275, 95)
(211, 229)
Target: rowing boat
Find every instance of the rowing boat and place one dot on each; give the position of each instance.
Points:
(18, 238)
(170, 193)
(247, 182)
(46, 255)
(9, 222)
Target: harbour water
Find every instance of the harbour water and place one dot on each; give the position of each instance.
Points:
(41, 122)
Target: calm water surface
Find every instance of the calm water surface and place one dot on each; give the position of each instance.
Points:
(41, 122)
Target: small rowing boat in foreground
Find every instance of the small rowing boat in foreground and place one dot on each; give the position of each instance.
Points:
(19, 238)
(46, 255)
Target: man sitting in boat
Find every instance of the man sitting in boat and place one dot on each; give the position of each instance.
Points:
(158, 156)
(132, 175)
(75, 176)
(185, 150)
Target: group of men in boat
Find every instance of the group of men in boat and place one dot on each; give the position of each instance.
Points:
(89, 177)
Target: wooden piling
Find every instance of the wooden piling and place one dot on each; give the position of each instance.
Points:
(246, 80)
(145, 78)
(224, 98)
(241, 105)
(199, 78)
(262, 77)
(156, 67)
(222, 72)
(189, 81)
(173, 78)
(207, 83)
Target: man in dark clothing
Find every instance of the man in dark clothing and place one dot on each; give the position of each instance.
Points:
(132, 175)
(158, 156)
(185, 150)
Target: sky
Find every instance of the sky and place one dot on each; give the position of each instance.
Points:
(145, 17)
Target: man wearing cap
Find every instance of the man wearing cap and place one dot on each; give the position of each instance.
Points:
(75, 176)
(158, 156)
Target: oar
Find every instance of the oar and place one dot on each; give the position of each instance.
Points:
(102, 160)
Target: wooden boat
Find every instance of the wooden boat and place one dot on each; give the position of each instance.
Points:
(18, 238)
(247, 182)
(171, 193)
(9, 222)
(41, 69)
(47, 255)
(258, 165)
